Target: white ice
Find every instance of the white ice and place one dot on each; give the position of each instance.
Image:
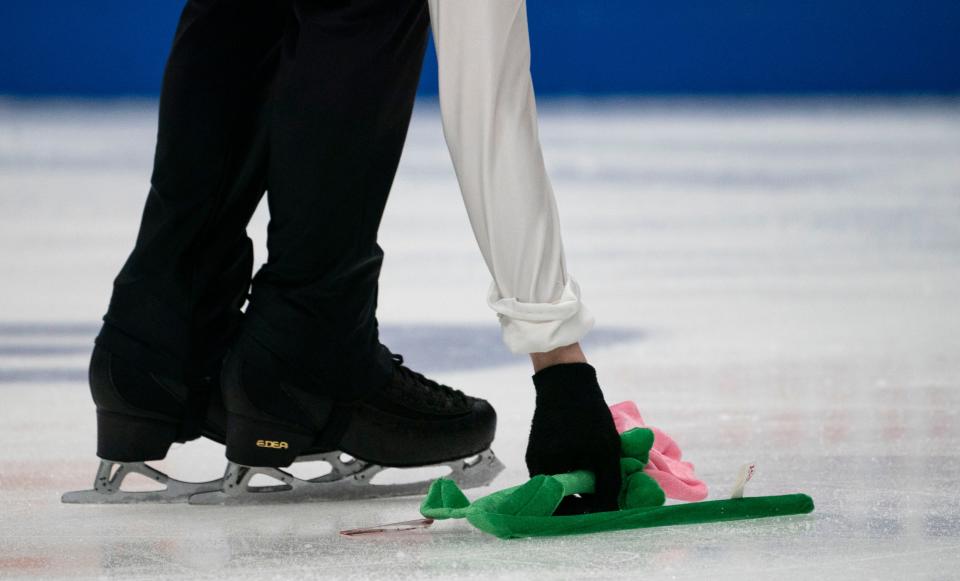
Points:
(775, 281)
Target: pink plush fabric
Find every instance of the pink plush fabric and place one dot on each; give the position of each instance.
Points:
(674, 476)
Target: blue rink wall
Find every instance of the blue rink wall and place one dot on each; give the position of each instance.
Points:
(118, 47)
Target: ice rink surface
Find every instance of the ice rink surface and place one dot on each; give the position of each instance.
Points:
(775, 281)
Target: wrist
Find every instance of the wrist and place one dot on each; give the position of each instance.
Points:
(559, 356)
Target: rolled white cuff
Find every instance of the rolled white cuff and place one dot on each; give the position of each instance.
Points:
(541, 327)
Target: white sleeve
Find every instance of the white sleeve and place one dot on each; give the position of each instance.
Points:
(490, 124)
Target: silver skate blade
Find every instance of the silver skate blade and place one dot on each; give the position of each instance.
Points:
(110, 477)
(351, 481)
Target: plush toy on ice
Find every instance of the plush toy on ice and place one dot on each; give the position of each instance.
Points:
(652, 471)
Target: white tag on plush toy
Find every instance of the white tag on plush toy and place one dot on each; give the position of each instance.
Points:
(746, 473)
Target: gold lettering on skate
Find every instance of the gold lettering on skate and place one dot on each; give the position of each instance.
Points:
(272, 444)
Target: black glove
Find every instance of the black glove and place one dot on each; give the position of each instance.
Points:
(573, 430)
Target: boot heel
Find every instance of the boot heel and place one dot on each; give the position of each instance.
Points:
(124, 438)
(259, 443)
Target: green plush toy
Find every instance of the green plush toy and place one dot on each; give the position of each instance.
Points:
(527, 510)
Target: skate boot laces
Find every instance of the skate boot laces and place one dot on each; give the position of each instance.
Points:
(410, 383)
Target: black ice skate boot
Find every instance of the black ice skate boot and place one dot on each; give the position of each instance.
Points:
(139, 416)
(410, 421)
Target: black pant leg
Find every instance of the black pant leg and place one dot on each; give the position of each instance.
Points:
(177, 300)
(344, 97)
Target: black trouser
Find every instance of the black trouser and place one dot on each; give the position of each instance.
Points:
(311, 100)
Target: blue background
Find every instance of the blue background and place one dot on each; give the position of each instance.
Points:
(118, 47)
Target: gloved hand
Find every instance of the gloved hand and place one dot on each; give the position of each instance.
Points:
(573, 430)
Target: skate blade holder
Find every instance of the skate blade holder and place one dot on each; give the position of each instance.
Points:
(348, 480)
(109, 479)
